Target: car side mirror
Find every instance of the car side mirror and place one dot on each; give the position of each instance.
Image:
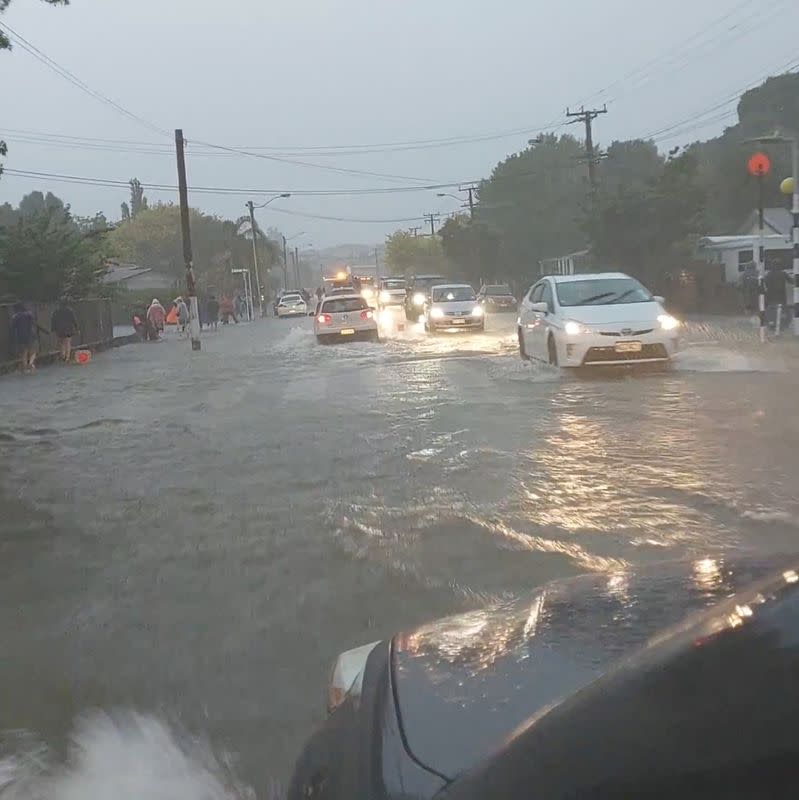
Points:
(658, 299)
(540, 308)
(311, 313)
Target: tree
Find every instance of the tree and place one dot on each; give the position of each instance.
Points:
(410, 254)
(138, 202)
(45, 254)
(125, 209)
(471, 248)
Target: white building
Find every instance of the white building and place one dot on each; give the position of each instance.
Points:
(735, 253)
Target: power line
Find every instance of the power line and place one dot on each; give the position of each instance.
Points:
(74, 80)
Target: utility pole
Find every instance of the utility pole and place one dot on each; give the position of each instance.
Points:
(432, 218)
(414, 231)
(377, 263)
(191, 287)
(587, 117)
(471, 190)
(253, 231)
(297, 266)
(285, 265)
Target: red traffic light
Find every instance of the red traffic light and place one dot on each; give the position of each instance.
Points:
(759, 164)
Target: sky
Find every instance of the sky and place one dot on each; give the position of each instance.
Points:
(343, 87)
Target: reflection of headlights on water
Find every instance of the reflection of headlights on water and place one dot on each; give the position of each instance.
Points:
(477, 311)
(668, 323)
(436, 313)
(384, 296)
(418, 299)
(573, 328)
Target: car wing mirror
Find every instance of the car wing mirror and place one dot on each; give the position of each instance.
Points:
(658, 299)
(539, 308)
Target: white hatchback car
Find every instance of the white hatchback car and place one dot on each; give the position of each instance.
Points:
(595, 320)
(345, 317)
(291, 305)
(453, 306)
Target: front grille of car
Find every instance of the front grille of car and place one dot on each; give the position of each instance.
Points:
(595, 354)
(458, 313)
(626, 333)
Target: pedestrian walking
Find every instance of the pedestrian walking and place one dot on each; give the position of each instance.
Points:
(212, 312)
(227, 310)
(182, 310)
(24, 333)
(64, 325)
(156, 316)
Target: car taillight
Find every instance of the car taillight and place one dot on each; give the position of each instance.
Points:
(367, 314)
(324, 319)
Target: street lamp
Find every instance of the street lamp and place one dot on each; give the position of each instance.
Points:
(793, 141)
(253, 230)
(470, 189)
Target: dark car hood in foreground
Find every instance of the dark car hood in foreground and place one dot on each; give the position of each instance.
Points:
(465, 683)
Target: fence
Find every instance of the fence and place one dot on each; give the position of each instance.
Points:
(94, 319)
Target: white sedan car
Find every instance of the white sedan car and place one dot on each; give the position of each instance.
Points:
(345, 317)
(291, 305)
(595, 320)
(451, 307)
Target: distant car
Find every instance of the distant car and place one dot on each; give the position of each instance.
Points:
(345, 317)
(453, 306)
(391, 292)
(497, 297)
(339, 291)
(639, 683)
(291, 305)
(595, 320)
(417, 293)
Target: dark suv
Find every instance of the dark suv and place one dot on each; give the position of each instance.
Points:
(418, 293)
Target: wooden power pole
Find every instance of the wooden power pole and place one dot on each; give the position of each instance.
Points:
(191, 287)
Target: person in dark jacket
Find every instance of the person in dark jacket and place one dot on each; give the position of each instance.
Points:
(212, 312)
(24, 331)
(64, 325)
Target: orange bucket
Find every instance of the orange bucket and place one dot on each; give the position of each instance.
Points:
(83, 356)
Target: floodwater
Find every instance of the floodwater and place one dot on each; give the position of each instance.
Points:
(187, 540)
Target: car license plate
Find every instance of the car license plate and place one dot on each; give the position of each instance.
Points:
(628, 347)
(458, 321)
(347, 331)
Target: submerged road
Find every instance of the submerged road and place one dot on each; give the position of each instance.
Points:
(197, 536)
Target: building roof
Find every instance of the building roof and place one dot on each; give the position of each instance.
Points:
(737, 242)
(778, 220)
(119, 273)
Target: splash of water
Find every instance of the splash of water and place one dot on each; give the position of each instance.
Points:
(120, 756)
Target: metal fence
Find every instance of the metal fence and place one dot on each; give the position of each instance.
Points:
(94, 319)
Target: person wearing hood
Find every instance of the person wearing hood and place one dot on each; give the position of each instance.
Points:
(156, 315)
(182, 310)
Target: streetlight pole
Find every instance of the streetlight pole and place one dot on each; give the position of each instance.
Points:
(254, 232)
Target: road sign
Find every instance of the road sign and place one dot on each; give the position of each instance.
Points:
(759, 164)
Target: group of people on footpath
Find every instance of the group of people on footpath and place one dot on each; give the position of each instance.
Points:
(150, 323)
(25, 330)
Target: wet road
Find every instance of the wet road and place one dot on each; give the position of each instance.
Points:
(196, 537)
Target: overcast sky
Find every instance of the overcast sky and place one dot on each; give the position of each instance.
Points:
(293, 74)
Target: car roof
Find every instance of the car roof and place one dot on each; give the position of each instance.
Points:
(587, 276)
(427, 276)
(452, 286)
(343, 297)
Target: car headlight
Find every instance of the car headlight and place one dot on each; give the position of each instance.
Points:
(668, 323)
(436, 313)
(384, 296)
(573, 328)
(418, 299)
(477, 311)
(367, 293)
(346, 678)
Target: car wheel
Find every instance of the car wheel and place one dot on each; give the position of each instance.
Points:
(321, 339)
(522, 349)
(553, 351)
(375, 337)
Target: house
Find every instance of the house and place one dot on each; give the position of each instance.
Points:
(135, 278)
(734, 253)
(570, 264)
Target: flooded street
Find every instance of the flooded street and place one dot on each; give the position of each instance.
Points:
(195, 537)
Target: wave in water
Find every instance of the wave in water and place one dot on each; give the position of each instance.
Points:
(119, 756)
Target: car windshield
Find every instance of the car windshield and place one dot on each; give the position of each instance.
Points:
(498, 290)
(452, 294)
(391, 285)
(343, 305)
(290, 298)
(601, 292)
